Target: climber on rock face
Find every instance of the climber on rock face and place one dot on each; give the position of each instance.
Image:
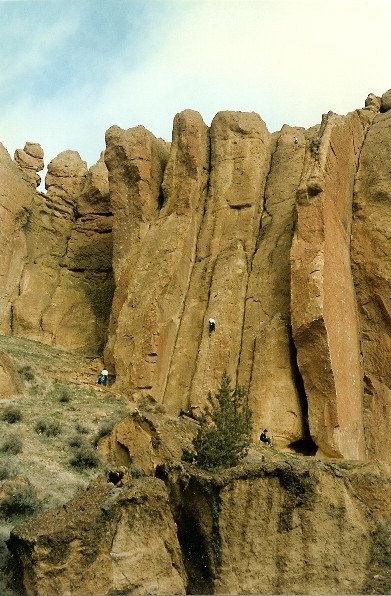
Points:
(212, 325)
(264, 438)
(295, 140)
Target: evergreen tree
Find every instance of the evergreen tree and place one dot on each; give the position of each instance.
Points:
(225, 428)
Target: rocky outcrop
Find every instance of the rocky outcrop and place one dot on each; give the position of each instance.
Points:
(30, 160)
(79, 311)
(231, 222)
(10, 383)
(147, 440)
(267, 363)
(272, 525)
(109, 540)
(59, 286)
(135, 160)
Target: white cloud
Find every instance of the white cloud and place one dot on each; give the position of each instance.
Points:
(34, 51)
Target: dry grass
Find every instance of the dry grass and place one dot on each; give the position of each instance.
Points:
(45, 458)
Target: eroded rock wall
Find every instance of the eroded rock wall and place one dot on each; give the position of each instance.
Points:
(57, 280)
(270, 526)
(371, 234)
(109, 540)
(211, 236)
(231, 222)
(16, 200)
(287, 527)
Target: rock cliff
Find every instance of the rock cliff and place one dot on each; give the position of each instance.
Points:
(281, 238)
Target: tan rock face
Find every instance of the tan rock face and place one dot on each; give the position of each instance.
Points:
(372, 278)
(135, 160)
(328, 344)
(385, 103)
(267, 362)
(287, 529)
(59, 286)
(147, 440)
(16, 199)
(108, 540)
(30, 160)
(203, 227)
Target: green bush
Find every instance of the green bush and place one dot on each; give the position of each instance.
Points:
(19, 499)
(64, 396)
(85, 457)
(225, 429)
(26, 372)
(12, 445)
(11, 414)
(83, 430)
(40, 427)
(50, 429)
(76, 440)
(7, 469)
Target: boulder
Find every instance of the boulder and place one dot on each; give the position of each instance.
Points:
(385, 104)
(30, 160)
(10, 383)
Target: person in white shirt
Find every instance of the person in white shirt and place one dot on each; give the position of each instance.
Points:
(103, 378)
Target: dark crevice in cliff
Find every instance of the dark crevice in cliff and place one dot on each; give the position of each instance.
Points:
(196, 509)
(305, 445)
(194, 550)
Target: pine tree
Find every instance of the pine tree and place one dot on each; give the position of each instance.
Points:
(225, 428)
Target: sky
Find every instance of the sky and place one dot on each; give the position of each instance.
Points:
(69, 69)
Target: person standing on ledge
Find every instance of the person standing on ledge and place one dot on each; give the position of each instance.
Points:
(212, 325)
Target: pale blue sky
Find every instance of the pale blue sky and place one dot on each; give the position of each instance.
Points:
(69, 69)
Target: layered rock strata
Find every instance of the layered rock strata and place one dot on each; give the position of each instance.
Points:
(30, 160)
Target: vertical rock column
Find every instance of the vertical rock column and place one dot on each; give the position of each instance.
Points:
(267, 365)
(48, 231)
(371, 258)
(156, 289)
(16, 201)
(240, 159)
(78, 315)
(136, 161)
(324, 312)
